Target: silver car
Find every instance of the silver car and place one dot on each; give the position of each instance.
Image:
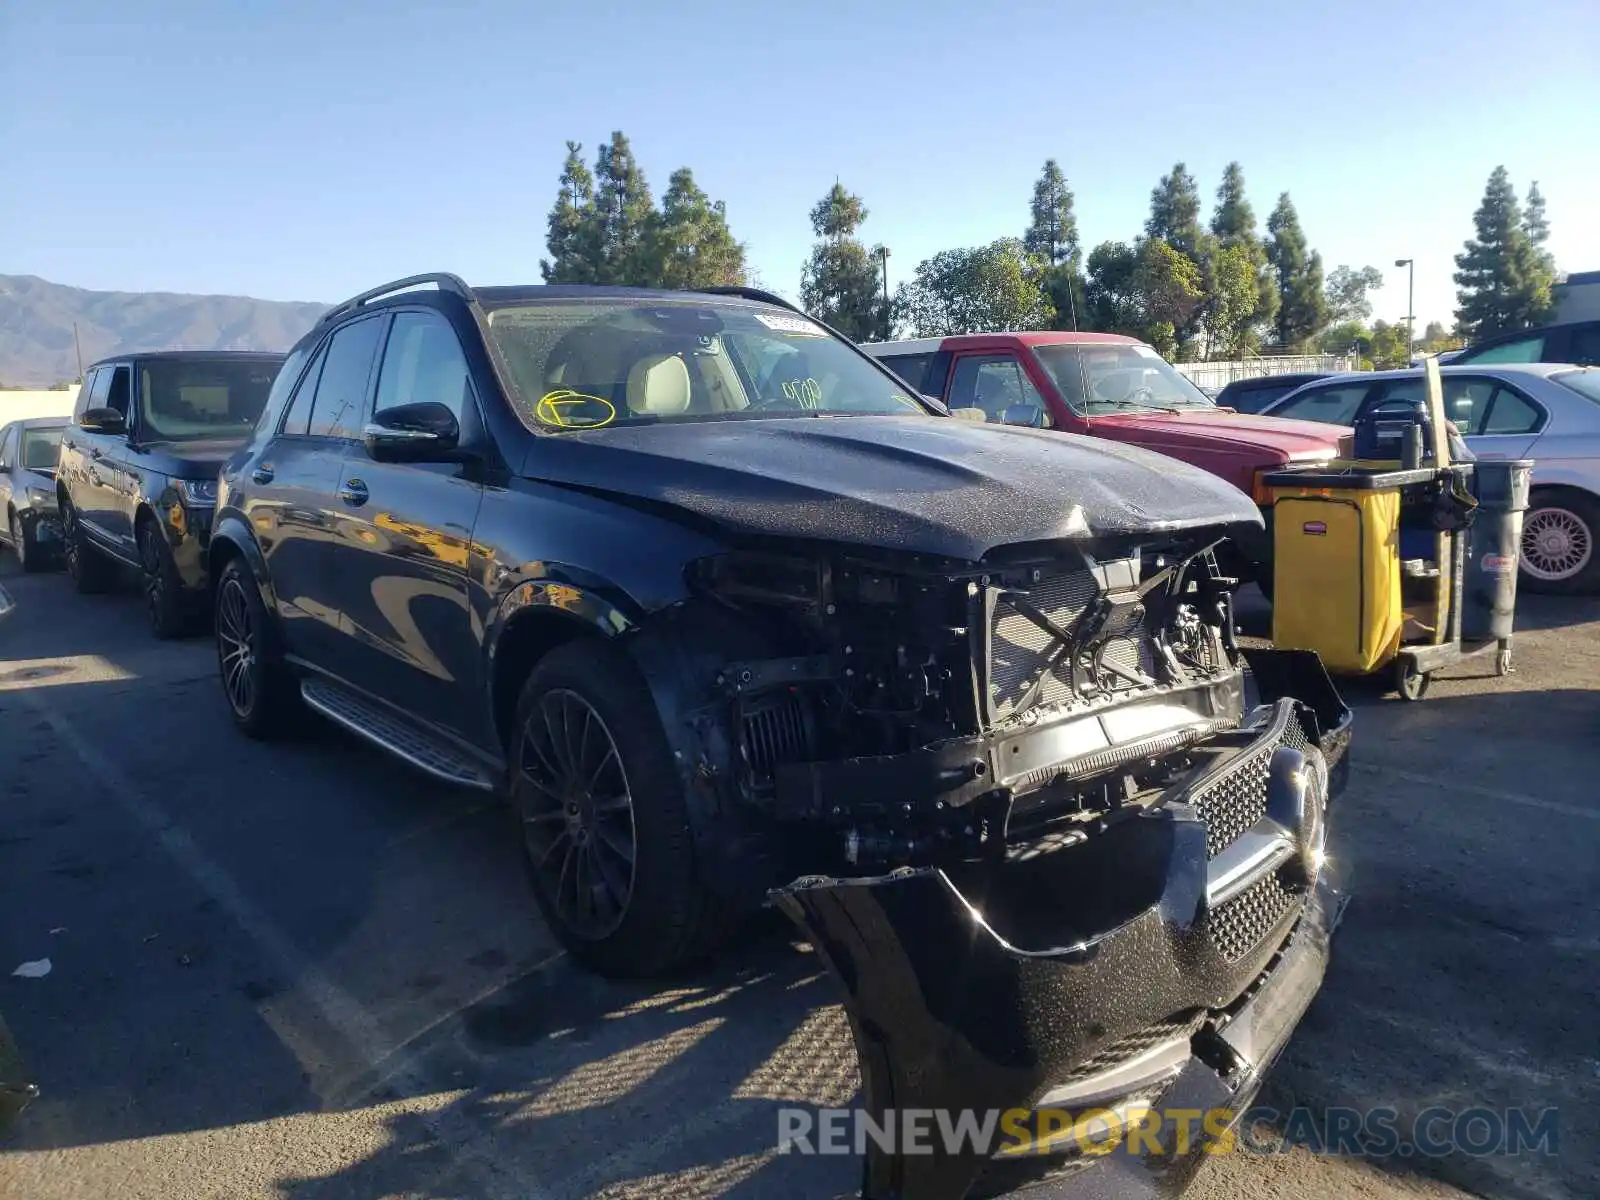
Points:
(1549, 412)
(28, 451)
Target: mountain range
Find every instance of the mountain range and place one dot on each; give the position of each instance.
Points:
(37, 319)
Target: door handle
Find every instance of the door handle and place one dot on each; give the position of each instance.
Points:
(262, 474)
(353, 492)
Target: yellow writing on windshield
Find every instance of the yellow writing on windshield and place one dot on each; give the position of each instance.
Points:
(807, 393)
(561, 406)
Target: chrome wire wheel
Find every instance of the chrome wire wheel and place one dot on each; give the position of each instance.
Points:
(577, 814)
(236, 646)
(19, 544)
(1557, 544)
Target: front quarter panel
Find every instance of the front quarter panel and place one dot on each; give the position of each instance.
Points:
(608, 565)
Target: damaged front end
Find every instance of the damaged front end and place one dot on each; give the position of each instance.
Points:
(1058, 836)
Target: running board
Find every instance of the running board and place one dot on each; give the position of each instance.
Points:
(426, 752)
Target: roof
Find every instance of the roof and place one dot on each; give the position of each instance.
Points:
(976, 341)
(525, 293)
(38, 422)
(1541, 369)
(191, 356)
(1250, 381)
(1580, 277)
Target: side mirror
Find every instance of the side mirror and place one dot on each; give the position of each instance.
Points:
(425, 432)
(103, 420)
(1023, 414)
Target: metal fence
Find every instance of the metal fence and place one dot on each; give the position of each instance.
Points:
(1219, 374)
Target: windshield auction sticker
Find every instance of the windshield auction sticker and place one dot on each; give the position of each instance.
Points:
(781, 323)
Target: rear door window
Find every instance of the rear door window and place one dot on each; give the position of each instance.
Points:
(1522, 350)
(913, 368)
(1583, 346)
(1329, 405)
(1509, 412)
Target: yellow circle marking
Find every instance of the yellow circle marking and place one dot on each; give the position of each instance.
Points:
(552, 406)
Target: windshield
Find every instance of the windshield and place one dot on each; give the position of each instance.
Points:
(1586, 382)
(39, 448)
(587, 364)
(199, 398)
(1107, 379)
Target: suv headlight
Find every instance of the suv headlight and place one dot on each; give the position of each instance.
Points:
(197, 491)
(39, 497)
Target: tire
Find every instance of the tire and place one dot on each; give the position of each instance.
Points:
(260, 690)
(1408, 681)
(171, 612)
(1559, 554)
(30, 555)
(610, 781)
(91, 571)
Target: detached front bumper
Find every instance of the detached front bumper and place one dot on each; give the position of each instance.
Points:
(1162, 962)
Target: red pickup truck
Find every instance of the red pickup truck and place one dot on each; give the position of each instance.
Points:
(1109, 386)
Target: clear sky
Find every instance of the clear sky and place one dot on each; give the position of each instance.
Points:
(295, 150)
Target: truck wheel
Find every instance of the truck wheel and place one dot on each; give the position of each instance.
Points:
(261, 692)
(171, 613)
(91, 571)
(1558, 552)
(604, 825)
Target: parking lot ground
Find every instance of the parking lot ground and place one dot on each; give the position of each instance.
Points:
(302, 971)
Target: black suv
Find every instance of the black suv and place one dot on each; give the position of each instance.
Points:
(732, 615)
(1576, 342)
(136, 482)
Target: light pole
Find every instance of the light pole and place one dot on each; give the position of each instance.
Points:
(883, 257)
(1411, 291)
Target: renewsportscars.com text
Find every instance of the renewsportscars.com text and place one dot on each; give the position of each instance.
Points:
(1374, 1132)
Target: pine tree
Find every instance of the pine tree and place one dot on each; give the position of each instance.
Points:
(839, 282)
(574, 254)
(1302, 308)
(691, 245)
(1052, 239)
(1233, 224)
(1503, 275)
(1175, 212)
(624, 214)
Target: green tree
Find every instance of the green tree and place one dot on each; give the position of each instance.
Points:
(1503, 276)
(1436, 339)
(691, 245)
(1230, 297)
(987, 289)
(1302, 309)
(1233, 223)
(839, 283)
(1169, 288)
(1111, 301)
(1052, 238)
(624, 214)
(574, 253)
(1175, 212)
(1390, 346)
(1175, 219)
(1347, 292)
(1344, 337)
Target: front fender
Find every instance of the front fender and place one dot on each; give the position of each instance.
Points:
(232, 533)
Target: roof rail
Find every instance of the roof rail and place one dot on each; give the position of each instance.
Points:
(750, 293)
(443, 280)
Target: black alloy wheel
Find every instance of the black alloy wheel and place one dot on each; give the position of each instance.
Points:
(19, 543)
(162, 595)
(236, 647)
(90, 572)
(577, 814)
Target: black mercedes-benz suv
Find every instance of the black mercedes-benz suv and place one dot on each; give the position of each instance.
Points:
(731, 616)
(137, 477)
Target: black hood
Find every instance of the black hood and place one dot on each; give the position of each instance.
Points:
(929, 485)
(199, 458)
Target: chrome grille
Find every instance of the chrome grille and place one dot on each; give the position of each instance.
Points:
(1132, 1045)
(1239, 926)
(1235, 802)
(1020, 649)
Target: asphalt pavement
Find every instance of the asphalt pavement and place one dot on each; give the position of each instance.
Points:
(301, 971)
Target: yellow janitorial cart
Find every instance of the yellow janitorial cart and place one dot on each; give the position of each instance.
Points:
(1375, 562)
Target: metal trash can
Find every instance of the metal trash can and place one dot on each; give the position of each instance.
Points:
(1489, 597)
